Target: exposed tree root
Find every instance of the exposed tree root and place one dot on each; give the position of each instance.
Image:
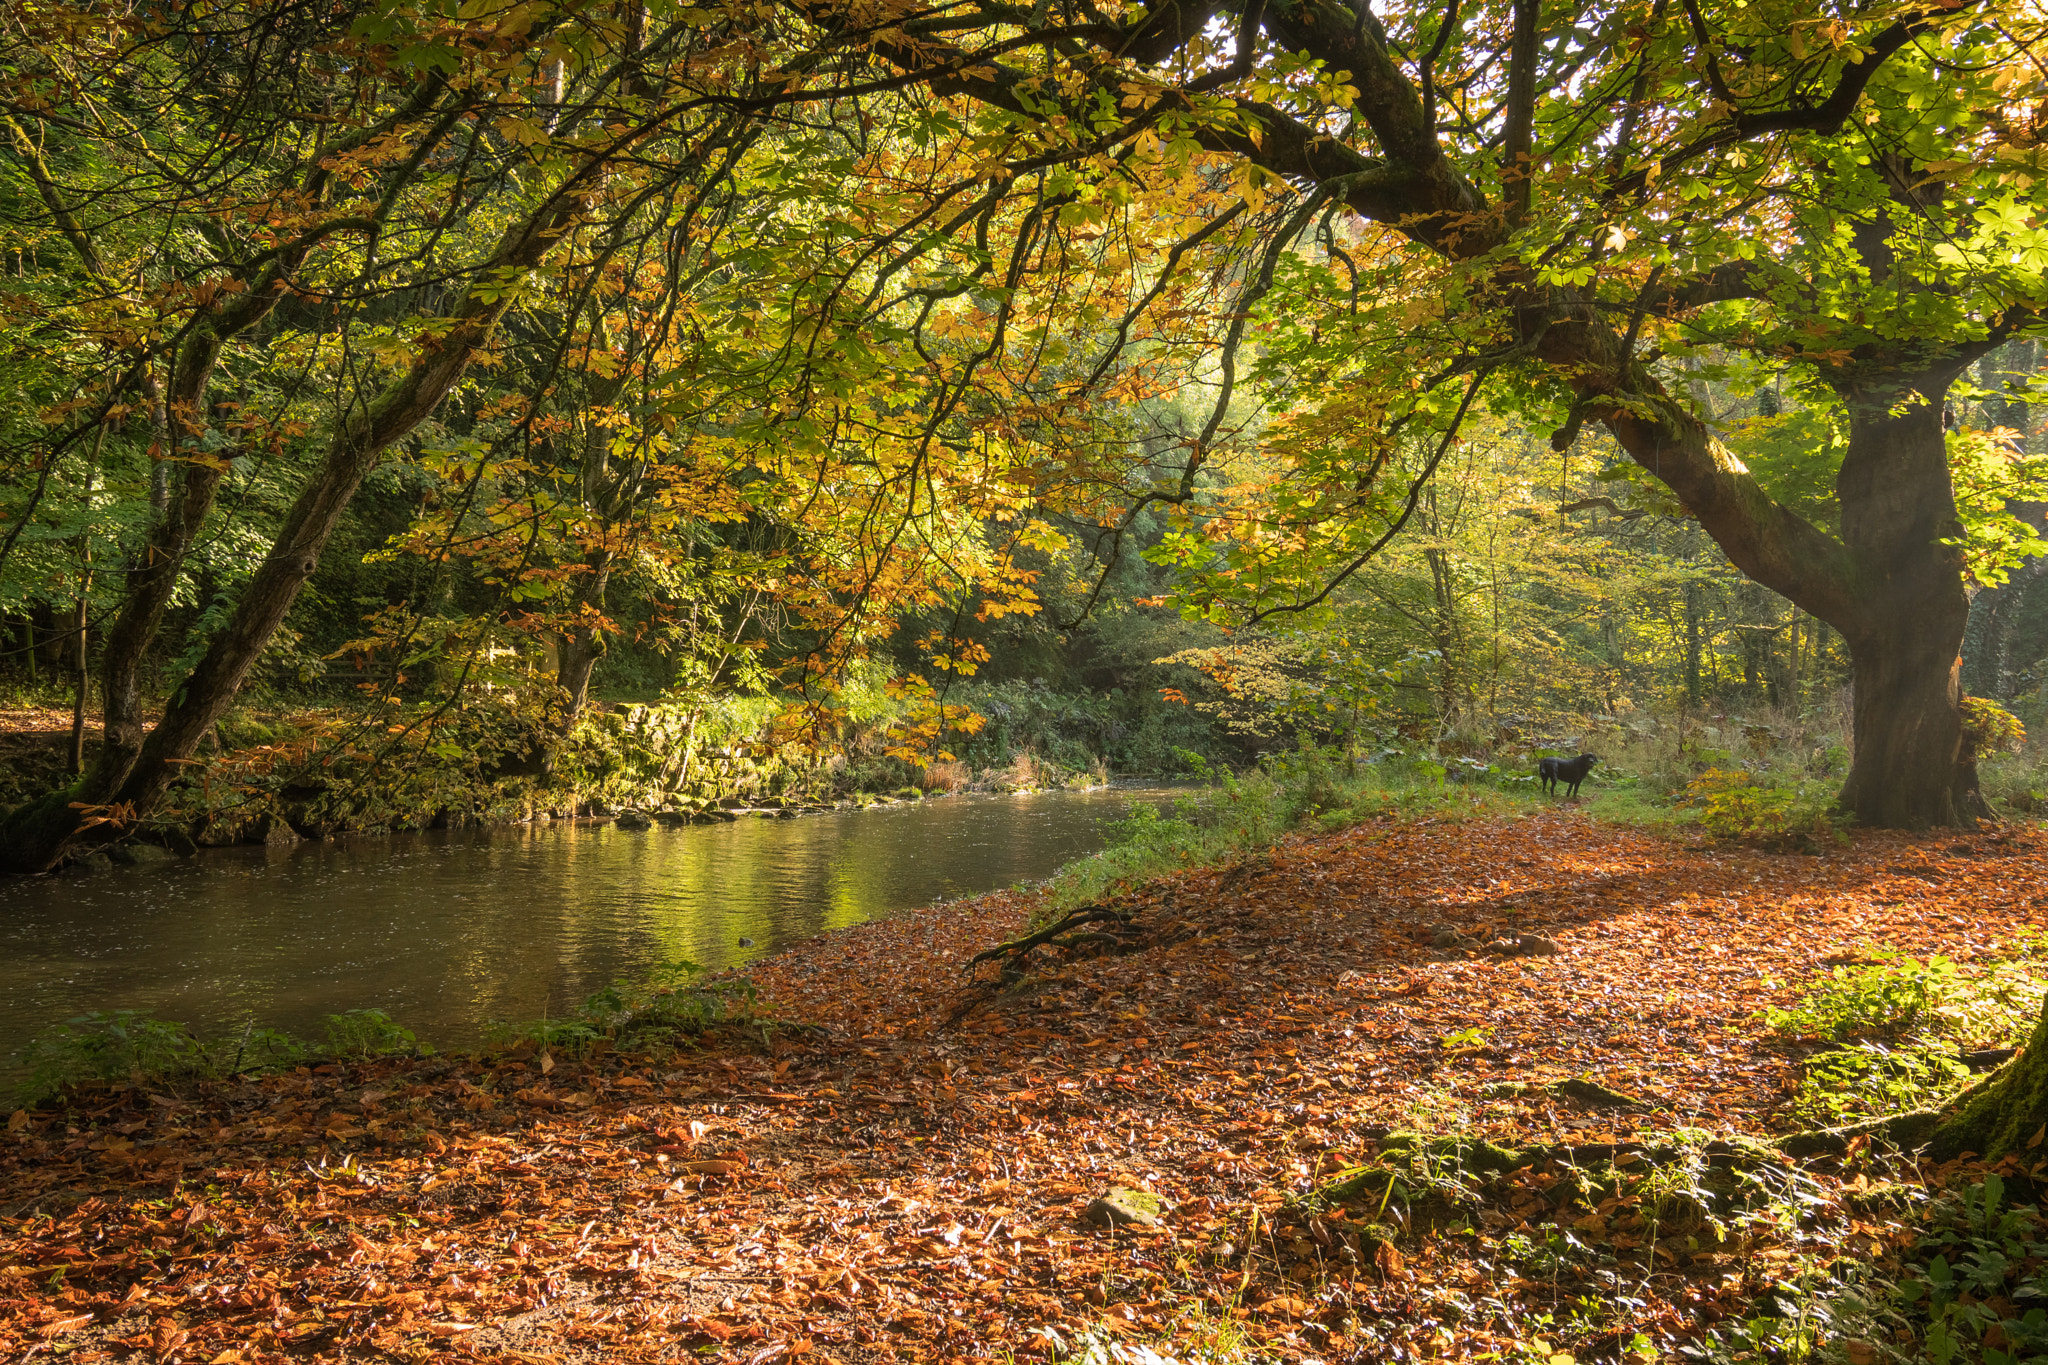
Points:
(1119, 934)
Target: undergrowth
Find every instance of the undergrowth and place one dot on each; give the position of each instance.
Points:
(674, 1006)
(1967, 1280)
(134, 1045)
(1896, 1028)
(1241, 814)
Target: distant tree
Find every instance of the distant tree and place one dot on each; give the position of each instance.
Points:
(1566, 203)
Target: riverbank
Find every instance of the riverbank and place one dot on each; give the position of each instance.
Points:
(910, 1178)
(277, 777)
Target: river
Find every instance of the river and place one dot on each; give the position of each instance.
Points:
(447, 932)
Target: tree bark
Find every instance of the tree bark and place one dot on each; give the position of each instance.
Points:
(1911, 768)
(582, 645)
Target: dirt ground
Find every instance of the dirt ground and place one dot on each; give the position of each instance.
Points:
(907, 1178)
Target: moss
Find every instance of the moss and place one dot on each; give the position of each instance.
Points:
(1365, 1185)
(1471, 1154)
(2005, 1112)
(1120, 1206)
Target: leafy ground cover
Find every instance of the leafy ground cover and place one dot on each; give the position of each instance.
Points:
(1425, 1089)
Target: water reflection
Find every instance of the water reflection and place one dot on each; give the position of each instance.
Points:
(449, 931)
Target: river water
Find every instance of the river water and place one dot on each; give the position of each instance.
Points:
(447, 932)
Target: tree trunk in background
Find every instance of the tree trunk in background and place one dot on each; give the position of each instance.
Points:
(1911, 768)
(83, 683)
(1994, 612)
(1692, 642)
(583, 644)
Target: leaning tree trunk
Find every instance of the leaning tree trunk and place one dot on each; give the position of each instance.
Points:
(1911, 769)
(40, 835)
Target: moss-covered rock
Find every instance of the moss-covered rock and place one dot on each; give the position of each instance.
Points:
(1119, 1206)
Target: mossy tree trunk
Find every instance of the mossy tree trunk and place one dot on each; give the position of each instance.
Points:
(2007, 1112)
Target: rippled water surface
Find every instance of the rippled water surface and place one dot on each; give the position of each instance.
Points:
(447, 932)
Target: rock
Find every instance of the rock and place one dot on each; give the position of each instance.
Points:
(308, 825)
(140, 855)
(634, 819)
(272, 831)
(1523, 945)
(1594, 1094)
(173, 838)
(1118, 1206)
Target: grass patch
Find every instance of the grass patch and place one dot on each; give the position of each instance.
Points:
(1309, 788)
(133, 1046)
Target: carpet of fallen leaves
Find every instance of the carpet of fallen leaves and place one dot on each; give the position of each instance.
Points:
(907, 1181)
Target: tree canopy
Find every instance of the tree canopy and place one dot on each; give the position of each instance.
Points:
(818, 320)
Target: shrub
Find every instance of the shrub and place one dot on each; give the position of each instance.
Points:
(1732, 804)
(1976, 1277)
(1923, 1010)
(1870, 1079)
(1990, 727)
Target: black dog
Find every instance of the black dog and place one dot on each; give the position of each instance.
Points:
(1571, 771)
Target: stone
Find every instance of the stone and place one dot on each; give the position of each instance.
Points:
(1523, 945)
(272, 831)
(140, 855)
(173, 838)
(1594, 1094)
(634, 819)
(309, 825)
(1119, 1206)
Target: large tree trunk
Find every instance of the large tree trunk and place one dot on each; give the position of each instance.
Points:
(1889, 584)
(1911, 768)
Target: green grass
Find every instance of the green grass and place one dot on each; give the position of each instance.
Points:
(135, 1046)
(675, 1005)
